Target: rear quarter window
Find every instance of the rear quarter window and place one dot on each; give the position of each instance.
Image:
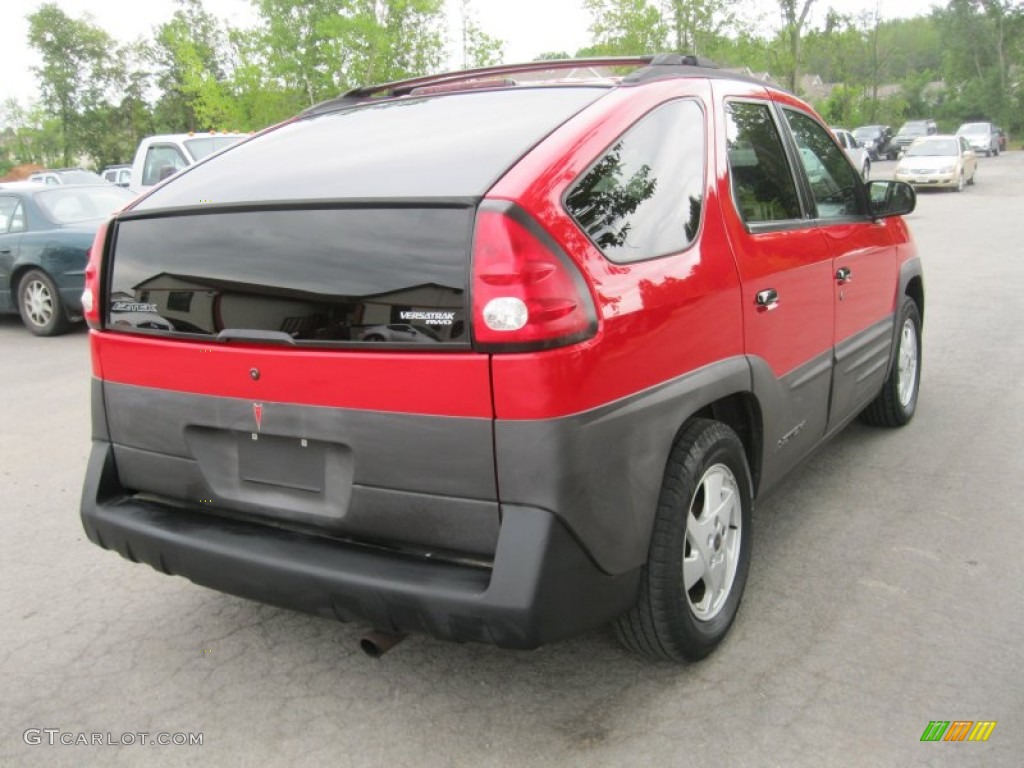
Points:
(643, 197)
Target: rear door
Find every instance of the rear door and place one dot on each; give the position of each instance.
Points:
(12, 224)
(864, 267)
(785, 269)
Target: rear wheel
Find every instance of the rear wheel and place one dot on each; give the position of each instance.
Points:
(700, 548)
(896, 403)
(40, 305)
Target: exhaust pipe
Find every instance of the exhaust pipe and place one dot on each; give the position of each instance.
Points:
(376, 643)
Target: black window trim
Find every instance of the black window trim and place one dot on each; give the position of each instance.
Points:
(810, 206)
(604, 150)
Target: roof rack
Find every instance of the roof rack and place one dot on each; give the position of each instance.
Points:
(482, 77)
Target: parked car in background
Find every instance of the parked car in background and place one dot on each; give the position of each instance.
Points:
(1003, 140)
(659, 293)
(910, 131)
(854, 150)
(982, 136)
(119, 175)
(65, 176)
(877, 140)
(160, 157)
(45, 235)
(938, 161)
(401, 333)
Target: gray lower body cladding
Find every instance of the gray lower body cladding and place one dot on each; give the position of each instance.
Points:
(542, 586)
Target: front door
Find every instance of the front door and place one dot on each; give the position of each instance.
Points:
(785, 269)
(864, 268)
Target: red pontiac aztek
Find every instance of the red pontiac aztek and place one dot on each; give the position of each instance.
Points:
(501, 355)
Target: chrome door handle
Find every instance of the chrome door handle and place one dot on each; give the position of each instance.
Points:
(767, 299)
(844, 274)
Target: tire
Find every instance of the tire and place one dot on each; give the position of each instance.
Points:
(707, 470)
(897, 402)
(959, 183)
(40, 305)
(865, 172)
(970, 181)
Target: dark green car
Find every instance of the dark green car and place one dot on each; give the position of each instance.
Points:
(45, 236)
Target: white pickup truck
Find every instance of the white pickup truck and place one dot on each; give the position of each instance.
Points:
(159, 157)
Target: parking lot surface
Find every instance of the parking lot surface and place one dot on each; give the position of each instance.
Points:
(886, 591)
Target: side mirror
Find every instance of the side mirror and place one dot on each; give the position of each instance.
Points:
(891, 198)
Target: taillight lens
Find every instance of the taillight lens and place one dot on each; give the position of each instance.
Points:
(91, 294)
(527, 294)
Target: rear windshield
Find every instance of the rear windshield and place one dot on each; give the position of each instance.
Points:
(456, 145)
(74, 204)
(200, 148)
(337, 276)
(914, 129)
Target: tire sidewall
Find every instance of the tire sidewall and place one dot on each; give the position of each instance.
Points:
(909, 312)
(718, 445)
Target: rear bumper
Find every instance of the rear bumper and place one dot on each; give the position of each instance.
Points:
(543, 587)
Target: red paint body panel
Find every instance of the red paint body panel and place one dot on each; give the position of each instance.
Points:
(660, 318)
(868, 250)
(399, 382)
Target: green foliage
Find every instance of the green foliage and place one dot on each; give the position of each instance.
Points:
(75, 74)
(625, 28)
(99, 97)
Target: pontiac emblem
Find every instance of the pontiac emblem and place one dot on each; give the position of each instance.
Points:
(257, 412)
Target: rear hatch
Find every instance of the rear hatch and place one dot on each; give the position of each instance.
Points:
(286, 326)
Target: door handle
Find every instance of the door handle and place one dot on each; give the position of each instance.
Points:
(767, 300)
(844, 274)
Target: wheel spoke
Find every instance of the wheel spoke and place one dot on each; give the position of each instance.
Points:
(695, 565)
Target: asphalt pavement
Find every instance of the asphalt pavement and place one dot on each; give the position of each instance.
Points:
(886, 592)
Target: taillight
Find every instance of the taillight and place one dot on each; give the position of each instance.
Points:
(527, 294)
(91, 294)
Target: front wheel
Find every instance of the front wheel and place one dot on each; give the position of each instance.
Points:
(699, 553)
(40, 305)
(895, 404)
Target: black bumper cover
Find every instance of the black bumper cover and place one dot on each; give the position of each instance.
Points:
(543, 586)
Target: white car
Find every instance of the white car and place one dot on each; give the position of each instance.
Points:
(160, 157)
(938, 161)
(854, 150)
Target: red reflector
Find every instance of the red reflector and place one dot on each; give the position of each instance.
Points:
(526, 294)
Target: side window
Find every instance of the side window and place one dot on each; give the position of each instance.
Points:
(162, 160)
(762, 183)
(7, 207)
(834, 182)
(643, 197)
(17, 223)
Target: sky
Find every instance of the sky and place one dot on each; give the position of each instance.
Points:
(528, 27)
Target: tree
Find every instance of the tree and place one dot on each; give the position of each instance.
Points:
(189, 52)
(75, 73)
(696, 23)
(478, 48)
(794, 19)
(625, 28)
